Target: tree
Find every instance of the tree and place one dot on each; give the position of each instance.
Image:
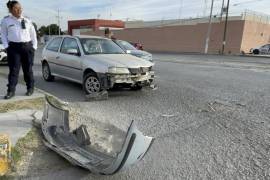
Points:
(52, 29)
(42, 30)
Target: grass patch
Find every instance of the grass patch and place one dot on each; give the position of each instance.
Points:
(37, 104)
(6, 178)
(16, 155)
(29, 143)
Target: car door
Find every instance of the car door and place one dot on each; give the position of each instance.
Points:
(51, 54)
(264, 49)
(268, 49)
(71, 65)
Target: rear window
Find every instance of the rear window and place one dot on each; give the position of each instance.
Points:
(54, 44)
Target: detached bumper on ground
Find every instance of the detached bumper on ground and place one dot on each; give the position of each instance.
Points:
(74, 146)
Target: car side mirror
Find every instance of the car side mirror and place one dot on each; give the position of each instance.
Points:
(74, 52)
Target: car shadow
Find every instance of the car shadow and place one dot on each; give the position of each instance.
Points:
(73, 92)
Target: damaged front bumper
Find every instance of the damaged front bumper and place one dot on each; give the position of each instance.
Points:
(143, 79)
(73, 146)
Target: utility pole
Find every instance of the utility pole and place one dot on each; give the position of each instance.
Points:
(180, 9)
(222, 10)
(209, 29)
(49, 31)
(205, 8)
(58, 19)
(111, 10)
(225, 28)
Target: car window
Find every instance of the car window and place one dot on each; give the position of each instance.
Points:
(126, 45)
(69, 43)
(100, 46)
(266, 46)
(54, 44)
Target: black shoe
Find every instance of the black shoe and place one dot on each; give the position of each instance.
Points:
(29, 92)
(9, 95)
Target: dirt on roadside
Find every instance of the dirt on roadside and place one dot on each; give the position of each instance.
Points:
(29, 156)
(36, 104)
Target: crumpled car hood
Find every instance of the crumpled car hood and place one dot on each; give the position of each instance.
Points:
(120, 60)
(73, 146)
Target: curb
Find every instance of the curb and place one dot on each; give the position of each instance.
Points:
(255, 56)
(20, 81)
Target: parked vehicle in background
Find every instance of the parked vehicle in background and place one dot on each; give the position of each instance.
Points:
(138, 46)
(265, 49)
(3, 54)
(96, 62)
(130, 49)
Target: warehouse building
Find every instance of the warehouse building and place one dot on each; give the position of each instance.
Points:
(186, 35)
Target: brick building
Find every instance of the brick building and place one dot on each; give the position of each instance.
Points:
(79, 26)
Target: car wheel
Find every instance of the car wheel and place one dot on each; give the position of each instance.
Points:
(256, 51)
(136, 87)
(46, 72)
(91, 84)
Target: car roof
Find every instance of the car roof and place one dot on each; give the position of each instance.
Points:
(94, 37)
(83, 37)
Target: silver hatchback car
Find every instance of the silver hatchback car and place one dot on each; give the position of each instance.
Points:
(95, 62)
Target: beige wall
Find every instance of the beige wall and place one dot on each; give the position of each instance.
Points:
(255, 34)
(191, 38)
(233, 38)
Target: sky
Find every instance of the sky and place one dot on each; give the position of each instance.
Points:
(44, 12)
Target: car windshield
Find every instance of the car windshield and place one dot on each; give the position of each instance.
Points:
(100, 46)
(125, 45)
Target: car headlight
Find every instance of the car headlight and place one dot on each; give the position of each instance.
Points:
(118, 70)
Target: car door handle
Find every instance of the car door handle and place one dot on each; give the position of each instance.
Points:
(58, 57)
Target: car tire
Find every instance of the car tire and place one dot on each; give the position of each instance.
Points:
(91, 84)
(46, 72)
(136, 87)
(256, 51)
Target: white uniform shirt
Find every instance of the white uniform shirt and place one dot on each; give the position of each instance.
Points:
(11, 31)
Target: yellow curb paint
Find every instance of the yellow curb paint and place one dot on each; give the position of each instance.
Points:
(5, 154)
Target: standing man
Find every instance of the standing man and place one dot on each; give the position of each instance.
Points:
(109, 34)
(20, 41)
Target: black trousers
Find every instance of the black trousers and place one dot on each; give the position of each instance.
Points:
(20, 54)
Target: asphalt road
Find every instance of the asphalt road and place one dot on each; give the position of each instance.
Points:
(210, 117)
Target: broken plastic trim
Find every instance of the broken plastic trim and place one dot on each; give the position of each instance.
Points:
(71, 146)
